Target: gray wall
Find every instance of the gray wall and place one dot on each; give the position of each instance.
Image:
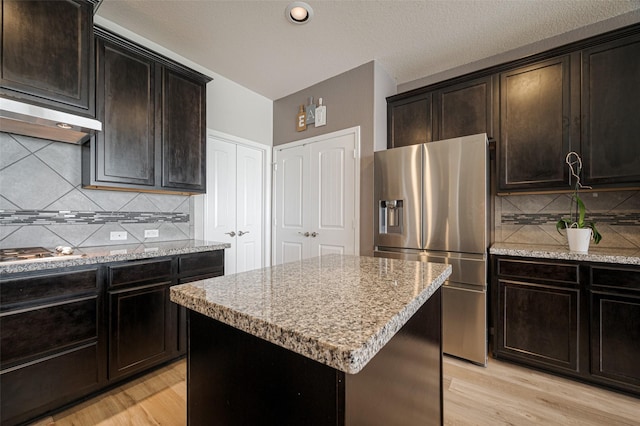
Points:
(42, 202)
(349, 98)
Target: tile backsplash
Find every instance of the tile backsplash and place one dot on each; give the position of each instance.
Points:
(532, 218)
(42, 202)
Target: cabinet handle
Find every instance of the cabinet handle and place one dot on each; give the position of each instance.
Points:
(306, 234)
(231, 234)
(315, 234)
(241, 233)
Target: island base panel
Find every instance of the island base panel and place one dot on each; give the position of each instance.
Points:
(234, 378)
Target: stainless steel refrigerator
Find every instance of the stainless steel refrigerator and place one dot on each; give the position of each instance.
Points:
(432, 204)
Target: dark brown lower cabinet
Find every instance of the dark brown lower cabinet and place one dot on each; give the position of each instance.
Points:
(193, 267)
(577, 319)
(71, 332)
(52, 345)
(540, 323)
(615, 326)
(140, 329)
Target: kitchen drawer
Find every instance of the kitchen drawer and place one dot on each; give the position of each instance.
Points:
(139, 272)
(568, 273)
(40, 330)
(33, 389)
(46, 286)
(623, 278)
(204, 263)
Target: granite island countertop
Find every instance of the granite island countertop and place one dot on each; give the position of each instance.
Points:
(338, 310)
(595, 254)
(115, 253)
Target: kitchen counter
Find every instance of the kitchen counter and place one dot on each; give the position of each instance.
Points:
(596, 254)
(316, 339)
(337, 310)
(115, 253)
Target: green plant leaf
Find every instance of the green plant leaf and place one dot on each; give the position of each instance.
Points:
(596, 235)
(581, 211)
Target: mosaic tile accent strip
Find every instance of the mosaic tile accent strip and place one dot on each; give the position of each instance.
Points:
(43, 217)
(619, 219)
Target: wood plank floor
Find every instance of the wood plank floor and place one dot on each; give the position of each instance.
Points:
(501, 394)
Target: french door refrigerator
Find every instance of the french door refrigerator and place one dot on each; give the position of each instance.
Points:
(432, 204)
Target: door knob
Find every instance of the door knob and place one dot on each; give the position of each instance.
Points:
(241, 233)
(306, 234)
(315, 234)
(231, 234)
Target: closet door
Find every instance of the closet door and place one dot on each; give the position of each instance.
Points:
(249, 208)
(235, 201)
(315, 199)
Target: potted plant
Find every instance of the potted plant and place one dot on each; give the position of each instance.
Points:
(579, 232)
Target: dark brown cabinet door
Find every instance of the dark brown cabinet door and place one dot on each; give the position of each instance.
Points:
(139, 334)
(47, 53)
(540, 323)
(409, 121)
(125, 150)
(539, 116)
(615, 326)
(183, 132)
(465, 109)
(539, 313)
(610, 107)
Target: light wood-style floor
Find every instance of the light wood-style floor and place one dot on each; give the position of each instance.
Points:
(501, 394)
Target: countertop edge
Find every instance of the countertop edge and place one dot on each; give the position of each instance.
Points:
(595, 255)
(110, 254)
(350, 361)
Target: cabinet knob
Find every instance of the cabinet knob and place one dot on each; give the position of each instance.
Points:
(231, 234)
(315, 234)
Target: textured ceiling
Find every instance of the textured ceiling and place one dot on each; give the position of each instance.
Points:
(252, 43)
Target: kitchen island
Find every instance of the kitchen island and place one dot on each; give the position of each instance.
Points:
(328, 340)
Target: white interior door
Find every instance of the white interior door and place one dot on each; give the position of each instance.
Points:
(332, 196)
(220, 203)
(235, 203)
(292, 173)
(315, 197)
(250, 208)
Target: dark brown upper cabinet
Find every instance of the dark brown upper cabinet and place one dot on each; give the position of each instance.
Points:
(154, 116)
(610, 108)
(125, 150)
(47, 53)
(580, 97)
(410, 121)
(183, 132)
(465, 109)
(539, 124)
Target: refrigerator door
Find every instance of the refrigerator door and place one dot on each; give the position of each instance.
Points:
(398, 188)
(455, 195)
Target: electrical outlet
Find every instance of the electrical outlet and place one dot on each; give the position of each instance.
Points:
(151, 233)
(114, 236)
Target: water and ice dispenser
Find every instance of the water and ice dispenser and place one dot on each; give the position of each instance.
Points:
(391, 216)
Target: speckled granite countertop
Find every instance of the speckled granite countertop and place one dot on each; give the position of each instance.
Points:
(116, 253)
(596, 254)
(337, 310)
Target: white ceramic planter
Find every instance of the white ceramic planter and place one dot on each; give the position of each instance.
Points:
(579, 239)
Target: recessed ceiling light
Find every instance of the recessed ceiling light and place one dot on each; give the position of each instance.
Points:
(298, 12)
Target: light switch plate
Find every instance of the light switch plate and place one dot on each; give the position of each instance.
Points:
(118, 235)
(151, 233)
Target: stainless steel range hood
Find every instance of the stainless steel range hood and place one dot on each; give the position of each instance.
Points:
(31, 120)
